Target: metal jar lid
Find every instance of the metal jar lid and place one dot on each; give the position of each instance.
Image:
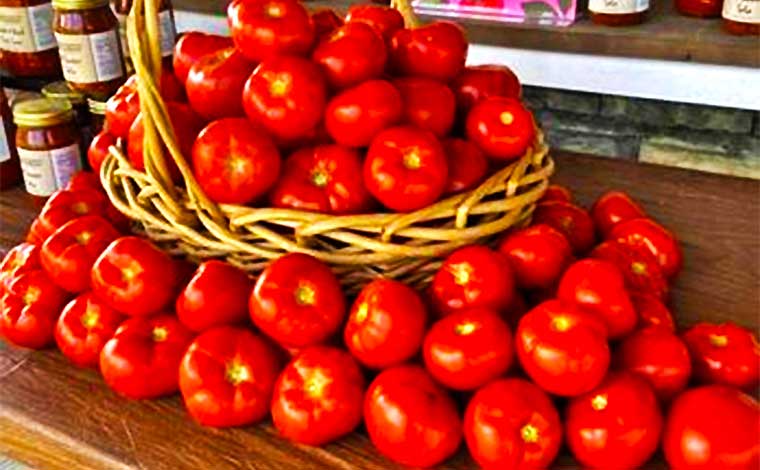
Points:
(42, 112)
(62, 90)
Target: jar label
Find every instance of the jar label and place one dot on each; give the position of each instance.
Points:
(122, 18)
(46, 171)
(618, 7)
(166, 30)
(742, 11)
(5, 150)
(27, 29)
(90, 58)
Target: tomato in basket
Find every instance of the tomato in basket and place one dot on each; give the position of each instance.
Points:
(502, 127)
(437, 50)
(215, 84)
(351, 54)
(194, 45)
(356, 115)
(385, 20)
(325, 21)
(428, 104)
(467, 165)
(479, 82)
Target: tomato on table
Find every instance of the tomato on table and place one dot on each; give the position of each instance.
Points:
(69, 204)
(84, 327)
(612, 208)
(215, 84)
(478, 82)
(556, 192)
(98, 149)
(652, 312)
(35, 235)
(725, 354)
(20, 259)
(467, 165)
(437, 50)
(386, 20)
(573, 221)
(640, 269)
(192, 46)
(428, 104)
(660, 242)
(502, 127)
(538, 255)
(351, 54)
(325, 21)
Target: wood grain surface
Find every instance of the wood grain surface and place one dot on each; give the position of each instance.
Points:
(55, 416)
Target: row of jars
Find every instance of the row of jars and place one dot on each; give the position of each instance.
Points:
(739, 16)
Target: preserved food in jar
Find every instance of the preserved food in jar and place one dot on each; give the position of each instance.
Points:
(741, 16)
(700, 8)
(166, 27)
(82, 117)
(26, 38)
(97, 116)
(10, 170)
(618, 12)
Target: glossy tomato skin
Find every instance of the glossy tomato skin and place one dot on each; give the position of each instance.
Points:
(84, 327)
(467, 165)
(325, 21)
(215, 84)
(724, 354)
(69, 204)
(98, 149)
(502, 127)
(234, 161)
(227, 375)
(386, 20)
(652, 312)
(263, 29)
(612, 208)
(562, 348)
(511, 423)
(405, 168)
(121, 111)
(428, 104)
(134, 277)
(654, 237)
(410, 419)
(318, 397)
(84, 179)
(297, 301)
(537, 255)
(639, 267)
(22, 258)
(351, 54)
(386, 324)
(556, 192)
(711, 427)
(573, 221)
(192, 46)
(478, 82)
(616, 425)
(437, 50)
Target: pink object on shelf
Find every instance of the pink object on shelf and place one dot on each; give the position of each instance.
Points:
(548, 12)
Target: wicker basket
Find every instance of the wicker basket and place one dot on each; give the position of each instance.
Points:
(405, 246)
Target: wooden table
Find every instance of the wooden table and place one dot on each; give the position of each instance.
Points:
(55, 416)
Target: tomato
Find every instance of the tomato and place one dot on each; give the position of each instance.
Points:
(134, 277)
(356, 115)
(325, 21)
(325, 178)
(386, 324)
(724, 354)
(35, 235)
(69, 253)
(263, 29)
(654, 237)
(386, 20)
(639, 267)
(612, 208)
(405, 168)
(562, 348)
(437, 50)
(410, 419)
(616, 425)
(467, 165)
(121, 111)
(216, 295)
(573, 221)
(297, 301)
(516, 311)
(98, 149)
(502, 127)
(142, 358)
(537, 254)
(713, 427)
(512, 424)
(468, 349)
(83, 329)
(83, 179)
(478, 82)
(351, 54)
(194, 45)
(20, 259)
(652, 312)
(215, 84)
(556, 192)
(227, 376)
(318, 397)
(428, 104)
(234, 161)
(69, 204)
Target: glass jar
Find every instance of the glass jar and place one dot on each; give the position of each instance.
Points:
(48, 145)
(88, 43)
(741, 17)
(10, 168)
(82, 117)
(700, 8)
(166, 27)
(618, 12)
(97, 116)
(27, 40)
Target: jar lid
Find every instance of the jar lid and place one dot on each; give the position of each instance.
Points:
(17, 97)
(79, 4)
(42, 112)
(96, 107)
(62, 90)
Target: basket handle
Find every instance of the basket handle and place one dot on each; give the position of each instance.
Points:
(407, 11)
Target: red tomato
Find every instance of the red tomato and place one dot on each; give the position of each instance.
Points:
(170, 87)
(355, 116)
(612, 208)
(134, 277)
(616, 425)
(479, 82)
(473, 276)
(98, 150)
(318, 397)
(428, 104)
(121, 111)
(351, 54)
(573, 221)
(263, 29)
(35, 235)
(655, 238)
(556, 192)
(234, 161)
(142, 359)
(652, 312)
(468, 349)
(297, 301)
(467, 165)
(516, 311)
(713, 427)
(20, 259)
(216, 295)
(215, 84)
(597, 287)
(405, 168)
(437, 50)
(386, 20)
(512, 424)
(502, 127)
(194, 45)
(84, 180)
(227, 376)
(537, 254)
(386, 324)
(69, 253)
(563, 349)
(69, 204)
(639, 267)
(325, 21)
(410, 419)
(724, 354)
(83, 329)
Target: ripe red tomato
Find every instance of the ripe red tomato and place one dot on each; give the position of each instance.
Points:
(437, 50)
(410, 419)
(216, 295)
(142, 359)
(234, 161)
(215, 84)
(98, 149)
(655, 238)
(318, 397)
(386, 324)
(478, 82)
(385, 20)
(405, 168)
(134, 277)
(616, 425)
(573, 221)
(724, 354)
(612, 208)
(297, 301)
(428, 104)
(511, 423)
(713, 427)
(121, 111)
(537, 254)
(356, 115)
(556, 192)
(467, 165)
(20, 259)
(639, 267)
(325, 21)
(69, 204)
(83, 329)
(34, 235)
(502, 127)
(84, 179)
(562, 348)
(351, 54)
(652, 312)
(194, 45)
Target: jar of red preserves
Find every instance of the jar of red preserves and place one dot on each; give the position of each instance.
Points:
(10, 169)
(166, 27)
(618, 12)
(26, 38)
(700, 8)
(741, 17)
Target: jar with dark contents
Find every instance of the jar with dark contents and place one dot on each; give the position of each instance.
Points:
(742, 17)
(618, 12)
(700, 8)
(82, 117)
(26, 38)
(10, 168)
(97, 116)
(166, 27)
(88, 44)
